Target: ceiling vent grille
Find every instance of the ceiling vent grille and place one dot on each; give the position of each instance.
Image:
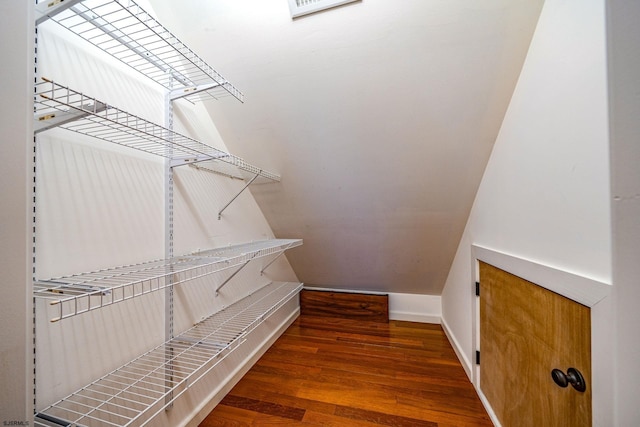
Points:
(305, 7)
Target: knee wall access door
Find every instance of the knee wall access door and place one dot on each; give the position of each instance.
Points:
(526, 332)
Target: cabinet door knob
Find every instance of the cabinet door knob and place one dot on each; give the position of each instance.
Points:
(573, 377)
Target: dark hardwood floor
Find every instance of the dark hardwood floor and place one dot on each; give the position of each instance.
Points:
(342, 372)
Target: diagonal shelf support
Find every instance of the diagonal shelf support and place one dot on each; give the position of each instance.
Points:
(223, 284)
(236, 196)
(275, 259)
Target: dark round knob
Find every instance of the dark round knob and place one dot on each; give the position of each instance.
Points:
(559, 378)
(573, 377)
(576, 379)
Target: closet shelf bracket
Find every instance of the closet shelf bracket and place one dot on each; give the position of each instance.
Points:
(236, 196)
(52, 119)
(195, 159)
(193, 90)
(46, 10)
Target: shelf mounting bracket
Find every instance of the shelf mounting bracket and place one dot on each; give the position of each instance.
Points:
(49, 9)
(192, 90)
(57, 118)
(195, 159)
(236, 196)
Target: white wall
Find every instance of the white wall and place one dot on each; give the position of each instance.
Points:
(380, 115)
(16, 152)
(544, 196)
(624, 85)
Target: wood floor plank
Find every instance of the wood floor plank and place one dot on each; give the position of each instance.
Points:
(342, 372)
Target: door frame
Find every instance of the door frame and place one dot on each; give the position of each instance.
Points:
(584, 290)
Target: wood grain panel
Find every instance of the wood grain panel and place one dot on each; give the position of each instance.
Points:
(525, 332)
(344, 372)
(368, 307)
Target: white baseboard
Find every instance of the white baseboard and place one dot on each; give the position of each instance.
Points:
(464, 360)
(487, 406)
(414, 317)
(415, 308)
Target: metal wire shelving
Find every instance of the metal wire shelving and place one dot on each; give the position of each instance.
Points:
(125, 31)
(134, 393)
(80, 293)
(60, 106)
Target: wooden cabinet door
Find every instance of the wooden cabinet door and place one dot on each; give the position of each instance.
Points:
(525, 332)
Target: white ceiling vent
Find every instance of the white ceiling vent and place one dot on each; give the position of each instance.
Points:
(304, 7)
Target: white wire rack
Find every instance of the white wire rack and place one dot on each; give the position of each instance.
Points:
(80, 293)
(134, 393)
(125, 31)
(60, 106)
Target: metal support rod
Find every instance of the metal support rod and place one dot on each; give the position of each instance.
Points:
(232, 276)
(273, 260)
(236, 196)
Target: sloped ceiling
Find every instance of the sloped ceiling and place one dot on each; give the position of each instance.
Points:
(380, 116)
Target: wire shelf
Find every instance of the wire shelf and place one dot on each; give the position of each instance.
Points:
(80, 293)
(134, 393)
(60, 106)
(125, 31)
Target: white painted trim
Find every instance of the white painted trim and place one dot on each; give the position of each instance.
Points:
(457, 348)
(414, 317)
(415, 308)
(406, 307)
(581, 289)
(488, 408)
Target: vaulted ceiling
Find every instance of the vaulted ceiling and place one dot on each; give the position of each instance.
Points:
(380, 116)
